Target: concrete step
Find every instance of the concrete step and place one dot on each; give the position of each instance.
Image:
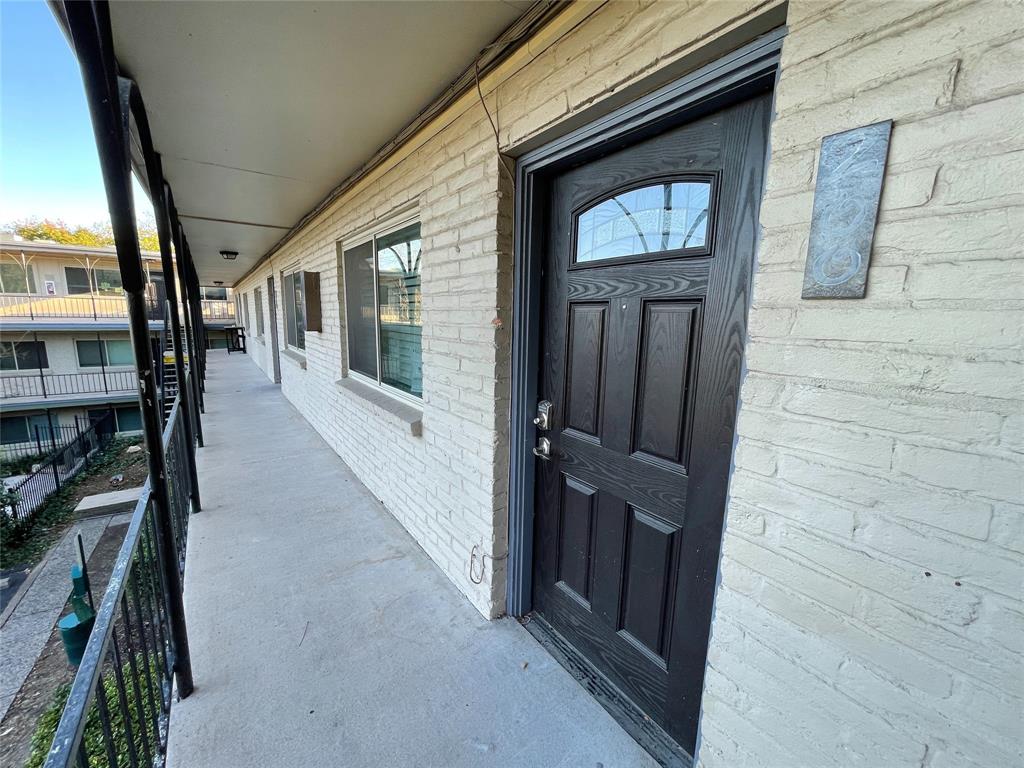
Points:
(112, 502)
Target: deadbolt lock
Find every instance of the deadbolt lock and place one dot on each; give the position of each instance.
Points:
(543, 418)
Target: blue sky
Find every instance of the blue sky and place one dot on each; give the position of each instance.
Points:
(48, 162)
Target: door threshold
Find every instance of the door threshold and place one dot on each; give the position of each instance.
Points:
(648, 734)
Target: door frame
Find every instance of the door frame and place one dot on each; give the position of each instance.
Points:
(746, 72)
(275, 353)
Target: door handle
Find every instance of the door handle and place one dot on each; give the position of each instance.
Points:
(543, 449)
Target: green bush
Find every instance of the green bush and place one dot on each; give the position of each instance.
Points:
(95, 743)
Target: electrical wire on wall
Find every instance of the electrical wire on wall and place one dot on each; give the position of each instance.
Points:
(494, 128)
(478, 555)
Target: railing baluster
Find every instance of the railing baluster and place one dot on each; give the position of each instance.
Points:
(104, 713)
(159, 589)
(136, 688)
(122, 700)
(140, 628)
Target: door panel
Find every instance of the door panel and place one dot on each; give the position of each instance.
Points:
(666, 357)
(586, 357)
(644, 310)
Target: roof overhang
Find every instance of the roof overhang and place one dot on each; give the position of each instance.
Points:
(261, 111)
(45, 247)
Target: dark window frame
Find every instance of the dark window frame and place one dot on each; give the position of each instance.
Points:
(292, 287)
(257, 299)
(93, 287)
(26, 272)
(42, 360)
(346, 294)
(104, 354)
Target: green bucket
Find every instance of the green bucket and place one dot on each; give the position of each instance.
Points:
(76, 627)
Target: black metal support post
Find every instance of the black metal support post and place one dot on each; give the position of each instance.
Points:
(53, 434)
(53, 444)
(108, 99)
(198, 322)
(103, 362)
(197, 317)
(39, 362)
(158, 191)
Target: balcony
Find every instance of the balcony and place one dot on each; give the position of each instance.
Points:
(218, 311)
(66, 386)
(318, 627)
(94, 307)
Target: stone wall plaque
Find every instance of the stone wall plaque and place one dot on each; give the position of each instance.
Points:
(850, 170)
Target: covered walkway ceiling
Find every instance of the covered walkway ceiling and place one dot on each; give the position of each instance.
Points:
(259, 110)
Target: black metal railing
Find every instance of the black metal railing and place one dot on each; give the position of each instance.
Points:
(178, 482)
(43, 440)
(94, 306)
(217, 309)
(118, 707)
(63, 384)
(60, 467)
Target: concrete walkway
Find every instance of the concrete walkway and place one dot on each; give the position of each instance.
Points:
(322, 635)
(28, 620)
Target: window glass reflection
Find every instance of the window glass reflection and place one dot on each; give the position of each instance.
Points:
(662, 217)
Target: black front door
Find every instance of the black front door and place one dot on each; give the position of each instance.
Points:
(644, 314)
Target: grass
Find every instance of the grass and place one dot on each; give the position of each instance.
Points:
(26, 543)
(95, 743)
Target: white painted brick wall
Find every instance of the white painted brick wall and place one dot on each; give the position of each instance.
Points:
(869, 611)
(870, 605)
(452, 492)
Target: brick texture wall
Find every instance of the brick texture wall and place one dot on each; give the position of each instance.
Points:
(869, 609)
(449, 486)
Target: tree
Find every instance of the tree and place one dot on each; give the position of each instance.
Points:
(96, 236)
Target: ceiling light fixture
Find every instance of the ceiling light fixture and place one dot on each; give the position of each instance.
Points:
(229, 255)
(218, 282)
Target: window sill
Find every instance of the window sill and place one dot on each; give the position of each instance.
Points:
(409, 415)
(295, 357)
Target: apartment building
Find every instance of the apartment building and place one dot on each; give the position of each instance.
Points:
(687, 333)
(65, 352)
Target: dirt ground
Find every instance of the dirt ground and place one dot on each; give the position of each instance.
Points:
(51, 668)
(135, 471)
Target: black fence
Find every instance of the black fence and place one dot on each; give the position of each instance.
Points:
(60, 467)
(118, 708)
(44, 440)
(63, 384)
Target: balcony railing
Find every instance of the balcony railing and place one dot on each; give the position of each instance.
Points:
(218, 309)
(118, 707)
(94, 306)
(63, 384)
